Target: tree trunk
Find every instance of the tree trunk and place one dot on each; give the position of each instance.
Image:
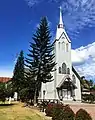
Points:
(35, 97)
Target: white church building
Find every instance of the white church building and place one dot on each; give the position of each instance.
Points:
(66, 83)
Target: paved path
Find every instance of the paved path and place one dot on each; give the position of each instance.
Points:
(90, 108)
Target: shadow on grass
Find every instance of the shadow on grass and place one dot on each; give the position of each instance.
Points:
(7, 104)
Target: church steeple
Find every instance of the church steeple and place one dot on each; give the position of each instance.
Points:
(60, 25)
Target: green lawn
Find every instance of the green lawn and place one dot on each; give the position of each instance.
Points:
(17, 112)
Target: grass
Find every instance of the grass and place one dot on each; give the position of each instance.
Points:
(17, 112)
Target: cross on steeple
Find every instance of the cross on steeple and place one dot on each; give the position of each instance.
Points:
(60, 25)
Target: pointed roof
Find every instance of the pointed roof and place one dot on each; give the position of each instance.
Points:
(66, 79)
(76, 73)
(60, 29)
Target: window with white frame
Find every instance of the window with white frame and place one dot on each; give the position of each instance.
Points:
(68, 71)
(74, 78)
(63, 45)
(64, 68)
(67, 47)
(59, 69)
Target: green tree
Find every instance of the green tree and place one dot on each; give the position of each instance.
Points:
(9, 89)
(18, 75)
(3, 92)
(27, 93)
(91, 83)
(40, 60)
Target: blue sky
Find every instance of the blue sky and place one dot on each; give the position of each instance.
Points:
(18, 21)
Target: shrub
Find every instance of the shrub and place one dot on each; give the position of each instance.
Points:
(82, 115)
(59, 112)
(44, 104)
(51, 108)
(68, 113)
(88, 97)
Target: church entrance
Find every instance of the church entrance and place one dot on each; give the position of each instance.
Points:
(65, 94)
(66, 90)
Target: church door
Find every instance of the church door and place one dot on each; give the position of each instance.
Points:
(66, 94)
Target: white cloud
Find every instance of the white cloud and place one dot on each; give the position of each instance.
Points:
(77, 14)
(83, 59)
(76, 58)
(32, 2)
(87, 69)
(84, 53)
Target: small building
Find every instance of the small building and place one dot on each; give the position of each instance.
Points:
(5, 79)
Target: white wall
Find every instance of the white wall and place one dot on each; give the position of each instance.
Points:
(78, 90)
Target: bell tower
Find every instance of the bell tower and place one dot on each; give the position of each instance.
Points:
(62, 51)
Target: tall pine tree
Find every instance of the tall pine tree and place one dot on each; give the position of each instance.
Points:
(40, 60)
(18, 74)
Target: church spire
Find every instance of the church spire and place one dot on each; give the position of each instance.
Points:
(60, 25)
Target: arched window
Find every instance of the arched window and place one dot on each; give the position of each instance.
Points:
(74, 78)
(68, 71)
(63, 46)
(67, 48)
(59, 69)
(64, 68)
(59, 45)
